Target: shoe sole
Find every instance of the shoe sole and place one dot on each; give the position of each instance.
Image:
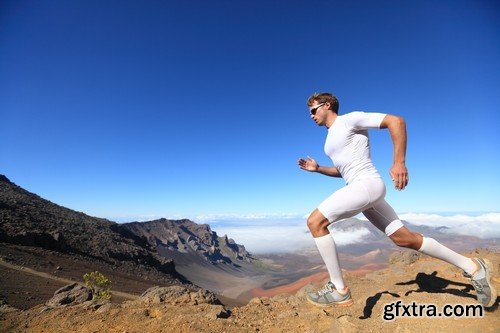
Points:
(343, 304)
(493, 299)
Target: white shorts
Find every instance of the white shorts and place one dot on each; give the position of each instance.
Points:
(366, 196)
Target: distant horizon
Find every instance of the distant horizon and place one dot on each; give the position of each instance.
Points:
(255, 216)
(202, 218)
(124, 218)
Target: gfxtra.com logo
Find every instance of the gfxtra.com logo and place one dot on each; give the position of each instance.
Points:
(399, 309)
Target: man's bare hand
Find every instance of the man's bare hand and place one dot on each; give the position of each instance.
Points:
(308, 164)
(399, 176)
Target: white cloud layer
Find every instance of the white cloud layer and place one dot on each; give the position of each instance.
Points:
(485, 226)
(267, 234)
(267, 239)
(270, 236)
(350, 236)
(282, 232)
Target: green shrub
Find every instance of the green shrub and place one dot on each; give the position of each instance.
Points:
(99, 285)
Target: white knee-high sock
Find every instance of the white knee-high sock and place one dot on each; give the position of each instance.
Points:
(435, 249)
(328, 250)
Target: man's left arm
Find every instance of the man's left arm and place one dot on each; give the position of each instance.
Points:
(397, 129)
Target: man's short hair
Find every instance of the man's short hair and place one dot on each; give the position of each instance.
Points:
(325, 98)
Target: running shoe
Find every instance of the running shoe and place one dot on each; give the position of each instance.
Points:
(481, 281)
(329, 296)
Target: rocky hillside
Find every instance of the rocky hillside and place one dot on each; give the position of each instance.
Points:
(410, 279)
(187, 237)
(29, 220)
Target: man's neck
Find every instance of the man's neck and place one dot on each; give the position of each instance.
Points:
(331, 120)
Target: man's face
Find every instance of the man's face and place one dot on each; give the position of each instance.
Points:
(318, 112)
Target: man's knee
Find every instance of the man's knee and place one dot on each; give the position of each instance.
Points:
(316, 222)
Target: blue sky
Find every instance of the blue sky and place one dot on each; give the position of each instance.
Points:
(132, 109)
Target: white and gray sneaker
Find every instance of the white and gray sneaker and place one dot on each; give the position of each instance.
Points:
(329, 296)
(481, 281)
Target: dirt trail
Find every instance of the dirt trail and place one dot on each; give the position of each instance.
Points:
(57, 278)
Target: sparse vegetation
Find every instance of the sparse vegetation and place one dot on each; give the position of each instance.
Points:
(99, 284)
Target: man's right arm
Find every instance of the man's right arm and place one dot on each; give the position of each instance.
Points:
(311, 165)
(329, 171)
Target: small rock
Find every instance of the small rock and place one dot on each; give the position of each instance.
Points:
(71, 294)
(404, 257)
(179, 295)
(218, 311)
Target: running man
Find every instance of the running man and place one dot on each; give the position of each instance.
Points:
(348, 147)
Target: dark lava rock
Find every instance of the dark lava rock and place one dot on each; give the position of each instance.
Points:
(71, 294)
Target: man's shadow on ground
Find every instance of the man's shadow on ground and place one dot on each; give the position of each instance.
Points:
(429, 283)
(371, 301)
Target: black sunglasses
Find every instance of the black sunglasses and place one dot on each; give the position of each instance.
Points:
(313, 110)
